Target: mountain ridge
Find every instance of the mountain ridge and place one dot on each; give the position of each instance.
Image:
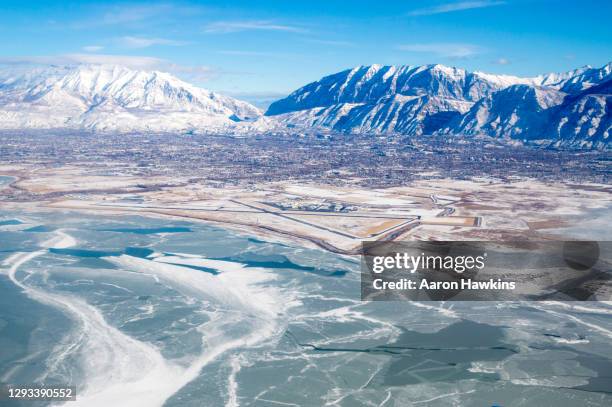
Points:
(416, 100)
(570, 109)
(113, 98)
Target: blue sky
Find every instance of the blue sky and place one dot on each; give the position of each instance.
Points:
(264, 49)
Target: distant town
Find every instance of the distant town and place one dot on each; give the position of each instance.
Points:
(329, 158)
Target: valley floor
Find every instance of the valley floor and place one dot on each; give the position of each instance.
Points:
(329, 216)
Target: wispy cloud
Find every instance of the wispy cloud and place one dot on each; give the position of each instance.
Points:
(246, 53)
(93, 48)
(502, 61)
(191, 73)
(133, 14)
(261, 100)
(138, 62)
(223, 27)
(130, 14)
(267, 54)
(332, 43)
(144, 42)
(442, 49)
(198, 73)
(456, 6)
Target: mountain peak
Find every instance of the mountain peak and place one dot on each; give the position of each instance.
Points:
(92, 96)
(413, 100)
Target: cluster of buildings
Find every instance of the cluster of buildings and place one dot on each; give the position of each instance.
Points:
(322, 206)
(366, 160)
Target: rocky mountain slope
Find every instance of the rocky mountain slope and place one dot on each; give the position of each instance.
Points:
(568, 109)
(571, 109)
(113, 98)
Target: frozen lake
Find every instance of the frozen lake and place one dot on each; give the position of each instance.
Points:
(147, 312)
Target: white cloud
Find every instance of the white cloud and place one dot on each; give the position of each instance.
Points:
(332, 43)
(195, 74)
(458, 6)
(261, 100)
(143, 42)
(257, 54)
(191, 72)
(133, 14)
(130, 14)
(93, 48)
(78, 59)
(138, 62)
(247, 53)
(445, 50)
(266, 54)
(502, 61)
(224, 27)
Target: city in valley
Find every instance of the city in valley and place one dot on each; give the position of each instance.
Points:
(326, 190)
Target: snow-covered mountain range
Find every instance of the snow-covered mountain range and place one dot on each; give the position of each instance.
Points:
(568, 109)
(113, 98)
